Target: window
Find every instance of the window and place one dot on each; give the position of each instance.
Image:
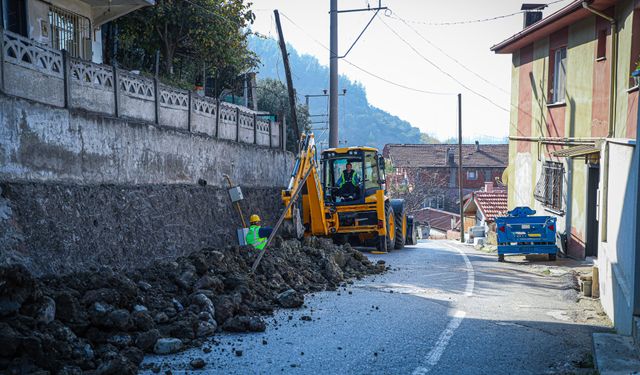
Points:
(549, 187)
(472, 175)
(436, 202)
(14, 16)
(70, 32)
(487, 175)
(558, 74)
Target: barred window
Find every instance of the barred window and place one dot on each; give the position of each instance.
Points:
(549, 187)
(70, 32)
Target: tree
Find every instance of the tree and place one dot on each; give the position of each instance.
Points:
(196, 35)
(420, 189)
(274, 98)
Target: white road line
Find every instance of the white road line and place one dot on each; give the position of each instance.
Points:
(471, 274)
(434, 355)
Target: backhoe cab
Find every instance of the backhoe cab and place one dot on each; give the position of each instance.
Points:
(345, 198)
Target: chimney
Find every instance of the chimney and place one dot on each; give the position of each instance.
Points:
(488, 186)
(477, 146)
(532, 14)
(449, 156)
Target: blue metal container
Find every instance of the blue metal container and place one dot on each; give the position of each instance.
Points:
(522, 233)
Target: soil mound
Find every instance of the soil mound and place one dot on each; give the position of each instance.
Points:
(103, 321)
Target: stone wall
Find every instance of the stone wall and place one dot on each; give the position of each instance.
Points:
(83, 189)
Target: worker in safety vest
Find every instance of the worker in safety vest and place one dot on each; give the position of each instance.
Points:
(349, 181)
(257, 236)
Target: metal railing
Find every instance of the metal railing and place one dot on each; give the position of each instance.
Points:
(548, 190)
(70, 32)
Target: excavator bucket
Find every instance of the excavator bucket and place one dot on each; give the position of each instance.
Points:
(292, 228)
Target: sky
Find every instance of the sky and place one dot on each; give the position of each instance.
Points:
(421, 56)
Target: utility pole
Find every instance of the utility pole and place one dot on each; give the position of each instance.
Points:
(333, 74)
(460, 193)
(287, 72)
(333, 62)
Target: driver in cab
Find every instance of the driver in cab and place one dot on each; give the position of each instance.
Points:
(349, 182)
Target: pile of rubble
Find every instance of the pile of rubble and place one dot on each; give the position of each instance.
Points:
(103, 321)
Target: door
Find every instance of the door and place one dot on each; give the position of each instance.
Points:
(593, 178)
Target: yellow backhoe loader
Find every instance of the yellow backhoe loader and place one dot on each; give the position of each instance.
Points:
(361, 215)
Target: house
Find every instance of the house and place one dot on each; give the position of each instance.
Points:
(572, 137)
(486, 204)
(426, 175)
(70, 25)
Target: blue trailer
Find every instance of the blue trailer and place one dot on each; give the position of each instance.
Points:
(522, 233)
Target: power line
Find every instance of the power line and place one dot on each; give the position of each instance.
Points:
(451, 57)
(442, 70)
(465, 22)
(364, 70)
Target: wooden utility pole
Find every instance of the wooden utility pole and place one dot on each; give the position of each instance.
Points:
(460, 192)
(287, 72)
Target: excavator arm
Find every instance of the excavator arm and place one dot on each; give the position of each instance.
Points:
(305, 179)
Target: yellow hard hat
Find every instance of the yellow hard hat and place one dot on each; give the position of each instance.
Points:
(254, 218)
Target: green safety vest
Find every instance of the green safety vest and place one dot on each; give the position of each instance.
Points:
(254, 239)
(344, 180)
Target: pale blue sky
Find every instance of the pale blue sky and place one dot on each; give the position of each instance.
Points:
(383, 53)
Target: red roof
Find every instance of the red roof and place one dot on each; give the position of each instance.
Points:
(437, 219)
(490, 203)
(564, 17)
(435, 155)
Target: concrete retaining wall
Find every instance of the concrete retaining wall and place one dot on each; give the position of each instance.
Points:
(82, 189)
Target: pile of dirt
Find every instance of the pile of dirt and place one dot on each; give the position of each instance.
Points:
(103, 321)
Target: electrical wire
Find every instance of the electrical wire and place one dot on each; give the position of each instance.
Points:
(421, 36)
(364, 70)
(489, 100)
(390, 14)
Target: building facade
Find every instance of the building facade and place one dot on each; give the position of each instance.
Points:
(572, 144)
(426, 175)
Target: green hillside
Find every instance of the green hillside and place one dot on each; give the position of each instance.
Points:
(360, 122)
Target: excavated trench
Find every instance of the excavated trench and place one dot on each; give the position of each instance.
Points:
(103, 321)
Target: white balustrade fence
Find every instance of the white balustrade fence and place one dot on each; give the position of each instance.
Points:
(39, 73)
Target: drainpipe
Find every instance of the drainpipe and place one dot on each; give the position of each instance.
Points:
(612, 111)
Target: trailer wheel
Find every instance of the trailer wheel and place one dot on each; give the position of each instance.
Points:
(400, 217)
(552, 257)
(500, 257)
(411, 231)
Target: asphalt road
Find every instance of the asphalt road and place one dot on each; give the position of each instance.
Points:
(442, 309)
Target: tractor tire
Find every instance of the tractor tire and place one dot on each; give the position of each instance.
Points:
(412, 231)
(400, 218)
(385, 243)
(340, 239)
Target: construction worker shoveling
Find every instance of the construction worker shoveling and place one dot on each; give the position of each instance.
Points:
(257, 235)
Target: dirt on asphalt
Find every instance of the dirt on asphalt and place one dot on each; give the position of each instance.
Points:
(103, 321)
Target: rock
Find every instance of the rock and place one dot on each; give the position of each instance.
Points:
(206, 328)
(146, 340)
(225, 308)
(290, 299)
(305, 318)
(120, 340)
(142, 320)
(17, 285)
(144, 285)
(238, 353)
(186, 280)
(70, 370)
(177, 305)
(167, 345)
(9, 340)
(139, 308)
(68, 308)
(161, 318)
(209, 282)
(104, 295)
(119, 319)
(133, 354)
(46, 311)
(204, 302)
(244, 324)
(116, 366)
(197, 363)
